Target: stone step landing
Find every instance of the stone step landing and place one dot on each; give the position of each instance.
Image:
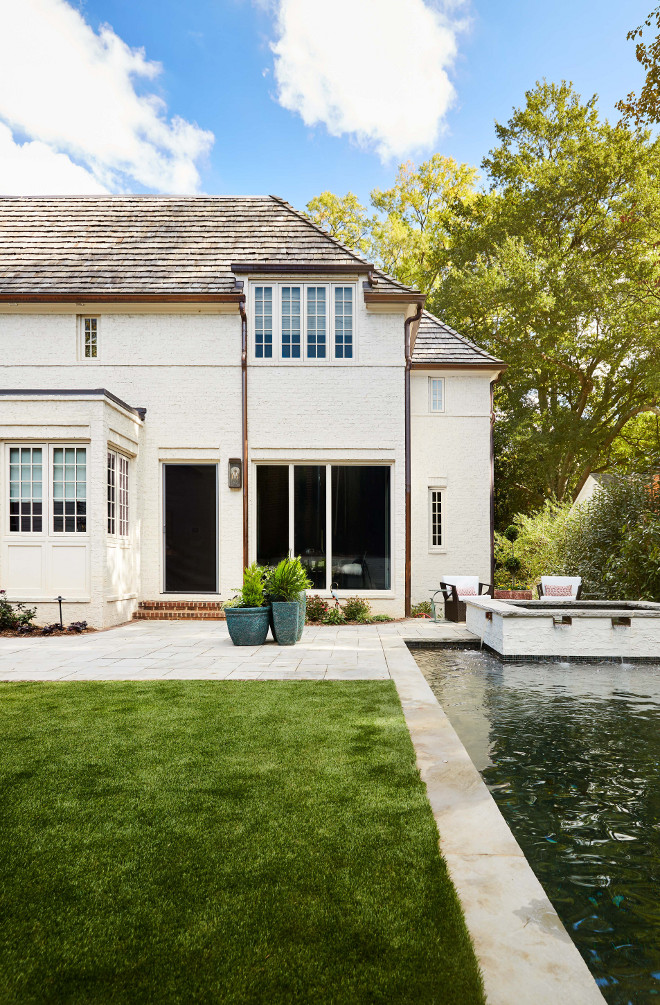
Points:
(179, 610)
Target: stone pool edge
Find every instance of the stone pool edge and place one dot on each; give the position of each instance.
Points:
(525, 953)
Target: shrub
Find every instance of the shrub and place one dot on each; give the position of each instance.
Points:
(381, 618)
(421, 610)
(334, 616)
(77, 626)
(287, 580)
(16, 616)
(356, 609)
(613, 542)
(538, 546)
(317, 608)
(252, 592)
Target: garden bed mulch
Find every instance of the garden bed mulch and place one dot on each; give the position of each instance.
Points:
(38, 632)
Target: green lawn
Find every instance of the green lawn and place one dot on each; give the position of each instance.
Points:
(220, 842)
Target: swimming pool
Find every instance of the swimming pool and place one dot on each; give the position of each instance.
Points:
(571, 754)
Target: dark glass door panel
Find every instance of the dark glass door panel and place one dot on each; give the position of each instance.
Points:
(191, 528)
(309, 520)
(361, 533)
(272, 513)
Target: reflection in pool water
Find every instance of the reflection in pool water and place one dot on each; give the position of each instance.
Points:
(571, 754)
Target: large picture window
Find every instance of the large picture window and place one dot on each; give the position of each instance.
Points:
(335, 516)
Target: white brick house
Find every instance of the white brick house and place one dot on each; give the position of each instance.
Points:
(147, 342)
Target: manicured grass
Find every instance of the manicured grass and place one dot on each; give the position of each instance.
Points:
(220, 842)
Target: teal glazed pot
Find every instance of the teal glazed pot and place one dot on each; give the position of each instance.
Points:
(248, 626)
(285, 622)
(302, 603)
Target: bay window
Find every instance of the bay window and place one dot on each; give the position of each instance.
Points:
(117, 494)
(335, 516)
(47, 489)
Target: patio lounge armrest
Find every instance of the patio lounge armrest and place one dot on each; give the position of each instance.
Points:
(486, 589)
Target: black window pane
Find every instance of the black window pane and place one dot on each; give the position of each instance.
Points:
(361, 527)
(58, 509)
(58, 523)
(13, 508)
(81, 524)
(26, 508)
(69, 524)
(36, 508)
(25, 523)
(309, 520)
(13, 523)
(37, 523)
(69, 508)
(81, 507)
(272, 513)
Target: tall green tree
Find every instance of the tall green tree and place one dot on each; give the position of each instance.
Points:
(644, 108)
(555, 269)
(409, 234)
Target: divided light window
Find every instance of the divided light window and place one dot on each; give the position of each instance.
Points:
(117, 494)
(436, 394)
(435, 518)
(335, 516)
(90, 334)
(25, 490)
(70, 490)
(306, 321)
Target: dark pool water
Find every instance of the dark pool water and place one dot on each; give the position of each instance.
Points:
(571, 754)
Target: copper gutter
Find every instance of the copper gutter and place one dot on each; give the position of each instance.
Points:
(90, 297)
(244, 411)
(408, 459)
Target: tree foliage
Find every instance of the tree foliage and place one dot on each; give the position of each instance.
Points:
(613, 542)
(409, 235)
(538, 546)
(644, 109)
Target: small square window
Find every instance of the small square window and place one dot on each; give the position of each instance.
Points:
(436, 394)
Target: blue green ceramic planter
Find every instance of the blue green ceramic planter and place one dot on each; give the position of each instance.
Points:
(302, 604)
(248, 626)
(285, 622)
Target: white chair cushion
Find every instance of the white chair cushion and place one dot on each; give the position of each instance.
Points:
(560, 581)
(466, 586)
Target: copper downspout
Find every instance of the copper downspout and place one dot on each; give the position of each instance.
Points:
(407, 325)
(244, 405)
(492, 478)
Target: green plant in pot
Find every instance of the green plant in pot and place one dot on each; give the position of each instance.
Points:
(247, 613)
(285, 587)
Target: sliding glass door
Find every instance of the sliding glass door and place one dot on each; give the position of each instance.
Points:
(335, 516)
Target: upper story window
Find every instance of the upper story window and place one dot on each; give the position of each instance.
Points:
(304, 321)
(88, 338)
(436, 394)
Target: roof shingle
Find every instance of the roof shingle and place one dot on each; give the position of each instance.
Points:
(436, 343)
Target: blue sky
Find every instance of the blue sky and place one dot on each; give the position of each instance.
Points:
(218, 73)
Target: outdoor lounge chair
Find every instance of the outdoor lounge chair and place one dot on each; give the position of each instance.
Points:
(560, 588)
(454, 590)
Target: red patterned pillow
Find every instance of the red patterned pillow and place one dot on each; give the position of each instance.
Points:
(558, 591)
(466, 591)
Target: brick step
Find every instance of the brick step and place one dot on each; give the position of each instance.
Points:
(179, 610)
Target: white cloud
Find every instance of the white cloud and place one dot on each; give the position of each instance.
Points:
(73, 90)
(34, 168)
(373, 69)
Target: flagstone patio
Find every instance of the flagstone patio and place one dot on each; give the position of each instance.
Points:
(191, 650)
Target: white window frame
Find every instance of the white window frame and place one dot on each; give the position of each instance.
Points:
(121, 498)
(434, 490)
(47, 492)
(441, 382)
(305, 359)
(81, 338)
(30, 535)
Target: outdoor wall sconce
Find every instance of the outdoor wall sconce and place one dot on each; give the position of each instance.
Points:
(235, 473)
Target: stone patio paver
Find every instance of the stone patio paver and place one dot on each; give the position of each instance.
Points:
(191, 650)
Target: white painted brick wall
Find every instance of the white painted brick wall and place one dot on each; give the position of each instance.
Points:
(185, 369)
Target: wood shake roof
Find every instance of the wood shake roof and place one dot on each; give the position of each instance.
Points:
(181, 246)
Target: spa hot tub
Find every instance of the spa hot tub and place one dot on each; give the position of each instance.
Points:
(581, 630)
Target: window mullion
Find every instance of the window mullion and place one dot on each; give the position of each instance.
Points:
(291, 511)
(328, 527)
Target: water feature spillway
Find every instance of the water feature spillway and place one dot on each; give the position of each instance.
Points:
(566, 629)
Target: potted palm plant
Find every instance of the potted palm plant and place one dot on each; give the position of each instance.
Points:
(248, 613)
(284, 586)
